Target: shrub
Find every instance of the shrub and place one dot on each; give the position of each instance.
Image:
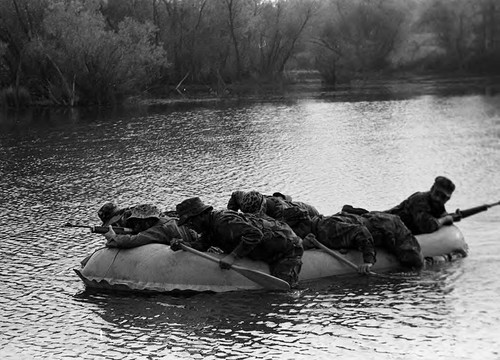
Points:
(16, 98)
(87, 63)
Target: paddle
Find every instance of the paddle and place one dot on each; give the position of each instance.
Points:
(351, 264)
(265, 280)
(102, 229)
(338, 257)
(461, 214)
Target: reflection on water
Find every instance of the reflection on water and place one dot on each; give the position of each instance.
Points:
(334, 318)
(56, 169)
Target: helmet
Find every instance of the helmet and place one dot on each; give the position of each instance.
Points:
(107, 212)
(252, 202)
(189, 208)
(444, 184)
(144, 211)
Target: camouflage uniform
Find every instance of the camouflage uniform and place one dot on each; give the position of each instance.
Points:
(336, 233)
(110, 214)
(163, 231)
(256, 238)
(272, 206)
(275, 205)
(364, 232)
(390, 233)
(419, 213)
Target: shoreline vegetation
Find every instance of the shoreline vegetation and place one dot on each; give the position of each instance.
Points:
(87, 53)
(311, 87)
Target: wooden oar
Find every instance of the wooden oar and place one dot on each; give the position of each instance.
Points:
(333, 253)
(339, 257)
(265, 280)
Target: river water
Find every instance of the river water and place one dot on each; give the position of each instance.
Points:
(322, 150)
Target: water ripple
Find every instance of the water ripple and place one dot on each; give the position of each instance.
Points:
(369, 154)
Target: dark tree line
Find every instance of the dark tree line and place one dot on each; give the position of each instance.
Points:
(82, 52)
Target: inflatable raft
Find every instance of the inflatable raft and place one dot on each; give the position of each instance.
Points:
(156, 268)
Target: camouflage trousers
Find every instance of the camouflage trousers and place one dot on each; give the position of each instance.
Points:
(288, 268)
(390, 233)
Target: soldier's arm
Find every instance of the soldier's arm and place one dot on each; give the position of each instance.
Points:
(353, 236)
(154, 234)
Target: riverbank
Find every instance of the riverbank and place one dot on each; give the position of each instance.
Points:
(311, 87)
(302, 85)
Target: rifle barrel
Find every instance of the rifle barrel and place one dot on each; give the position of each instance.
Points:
(475, 210)
(80, 226)
(103, 229)
(494, 204)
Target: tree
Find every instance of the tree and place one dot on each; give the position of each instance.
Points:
(85, 62)
(20, 22)
(359, 37)
(281, 28)
(450, 24)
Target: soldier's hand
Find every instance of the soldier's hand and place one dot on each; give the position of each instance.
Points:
(308, 241)
(214, 250)
(175, 244)
(365, 268)
(456, 216)
(110, 234)
(447, 220)
(227, 261)
(110, 237)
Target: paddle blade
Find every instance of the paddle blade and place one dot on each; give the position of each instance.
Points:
(265, 280)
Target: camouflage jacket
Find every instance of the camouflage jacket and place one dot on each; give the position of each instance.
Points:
(419, 213)
(274, 205)
(344, 231)
(248, 235)
(389, 231)
(162, 232)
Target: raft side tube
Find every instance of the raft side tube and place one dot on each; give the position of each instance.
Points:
(155, 267)
(446, 240)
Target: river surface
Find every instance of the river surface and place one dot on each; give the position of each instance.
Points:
(322, 150)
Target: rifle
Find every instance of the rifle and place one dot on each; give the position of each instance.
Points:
(103, 229)
(460, 214)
